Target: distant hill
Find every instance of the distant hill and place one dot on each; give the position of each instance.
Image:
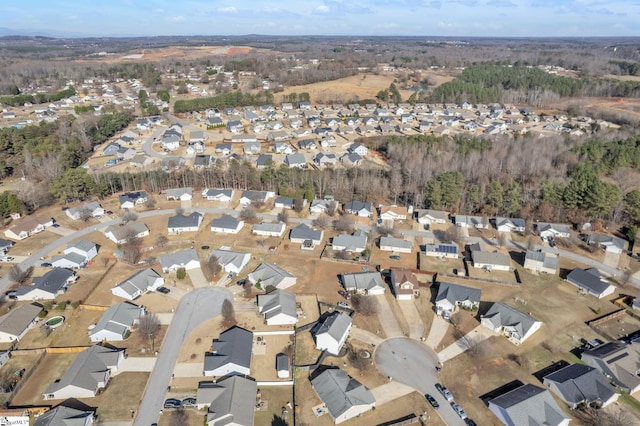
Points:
(4, 32)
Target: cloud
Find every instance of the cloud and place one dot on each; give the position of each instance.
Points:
(179, 18)
(434, 4)
(228, 9)
(323, 9)
(159, 10)
(501, 3)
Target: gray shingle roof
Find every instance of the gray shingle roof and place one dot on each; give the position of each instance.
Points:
(132, 197)
(530, 405)
(228, 257)
(362, 281)
(305, 232)
(339, 392)
(270, 274)
(233, 398)
(277, 302)
(139, 281)
(185, 221)
(395, 242)
(178, 192)
(490, 258)
(84, 245)
(63, 416)
(578, 383)
(233, 346)
(588, 279)
(51, 282)
(225, 222)
(19, 318)
(455, 293)
(179, 258)
(119, 318)
(503, 315)
(120, 232)
(356, 206)
(334, 324)
(268, 227)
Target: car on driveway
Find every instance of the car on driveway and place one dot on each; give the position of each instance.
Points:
(163, 290)
(189, 402)
(470, 422)
(172, 403)
(55, 225)
(394, 257)
(6, 258)
(432, 400)
(46, 265)
(344, 305)
(445, 392)
(458, 409)
(12, 294)
(205, 247)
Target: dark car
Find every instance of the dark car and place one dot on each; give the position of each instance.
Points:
(394, 257)
(163, 290)
(46, 265)
(205, 247)
(470, 422)
(172, 403)
(55, 225)
(189, 402)
(109, 212)
(432, 400)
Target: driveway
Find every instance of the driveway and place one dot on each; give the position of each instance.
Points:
(439, 327)
(365, 336)
(188, 369)
(411, 314)
(144, 364)
(195, 308)
(413, 364)
(60, 230)
(197, 278)
(387, 318)
(390, 392)
(474, 337)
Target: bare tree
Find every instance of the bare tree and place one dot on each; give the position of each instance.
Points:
(456, 319)
(322, 221)
(228, 312)
(502, 239)
(179, 211)
(283, 216)
(257, 201)
(453, 234)
(599, 417)
(150, 203)
(332, 208)
(344, 223)
(531, 242)
(128, 216)
(148, 328)
(178, 417)
(364, 305)
(357, 359)
(211, 268)
(84, 214)
(19, 276)
(298, 204)
(162, 240)
(248, 213)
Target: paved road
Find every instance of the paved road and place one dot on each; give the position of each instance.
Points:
(413, 364)
(194, 308)
(148, 149)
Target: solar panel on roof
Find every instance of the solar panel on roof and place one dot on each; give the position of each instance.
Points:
(446, 249)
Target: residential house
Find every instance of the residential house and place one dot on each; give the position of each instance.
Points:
(515, 325)
(47, 287)
(356, 242)
(230, 354)
(278, 136)
(223, 148)
(283, 366)
(214, 122)
(295, 160)
(278, 307)
(92, 209)
(430, 217)
(608, 243)
(618, 361)
(369, 283)
(267, 229)
(230, 402)
(331, 331)
(285, 203)
(404, 284)
(528, 405)
(181, 194)
(196, 136)
(195, 147)
(231, 261)
(27, 226)
(393, 213)
(226, 224)
(442, 250)
(202, 161)
(359, 149)
(358, 208)
(234, 126)
(218, 194)
(248, 197)
(76, 255)
(322, 160)
(490, 261)
(138, 284)
(307, 236)
(308, 144)
(282, 148)
(120, 233)
(15, 324)
(579, 384)
(89, 372)
(111, 149)
(590, 281)
(540, 261)
(251, 148)
(5, 245)
(322, 206)
(508, 224)
(396, 245)
(116, 322)
(170, 140)
(351, 159)
(344, 397)
(130, 200)
(184, 223)
(187, 259)
(65, 416)
(464, 221)
(450, 296)
(553, 230)
(270, 274)
(263, 161)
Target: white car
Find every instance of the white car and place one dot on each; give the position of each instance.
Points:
(6, 258)
(344, 305)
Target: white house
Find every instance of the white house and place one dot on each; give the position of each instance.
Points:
(270, 274)
(181, 194)
(509, 224)
(343, 396)
(515, 325)
(138, 284)
(218, 194)
(364, 282)
(47, 287)
(226, 224)
(231, 261)
(92, 209)
(553, 230)
(15, 324)
(116, 322)
(393, 213)
(307, 236)
(184, 223)
(442, 250)
(130, 200)
(278, 307)
(533, 403)
(187, 259)
(119, 234)
(267, 229)
(450, 296)
(331, 331)
(230, 355)
(397, 245)
(27, 226)
(590, 281)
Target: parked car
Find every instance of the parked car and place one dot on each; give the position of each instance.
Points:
(12, 294)
(172, 403)
(344, 305)
(163, 290)
(55, 225)
(189, 402)
(458, 409)
(446, 315)
(205, 247)
(432, 400)
(242, 281)
(470, 422)
(46, 265)
(344, 294)
(445, 392)
(6, 258)
(394, 257)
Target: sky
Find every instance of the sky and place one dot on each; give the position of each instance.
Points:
(477, 18)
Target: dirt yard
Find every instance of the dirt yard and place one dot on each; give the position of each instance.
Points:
(120, 396)
(275, 399)
(51, 368)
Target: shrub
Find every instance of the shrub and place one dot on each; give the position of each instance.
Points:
(75, 304)
(43, 314)
(62, 306)
(181, 273)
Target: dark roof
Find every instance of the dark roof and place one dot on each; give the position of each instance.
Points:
(226, 222)
(356, 206)
(577, 383)
(232, 346)
(182, 221)
(52, 282)
(589, 279)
